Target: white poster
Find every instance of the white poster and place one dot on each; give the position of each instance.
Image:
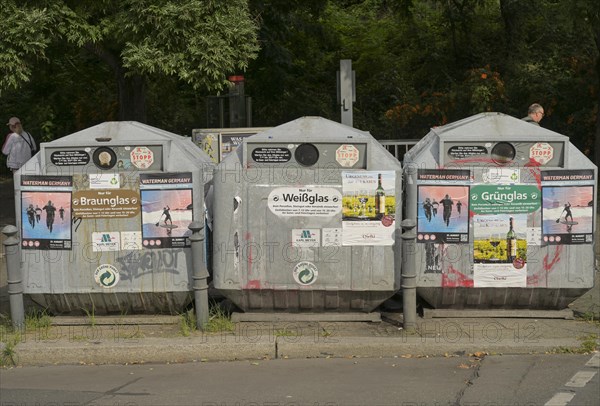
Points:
(499, 276)
(369, 207)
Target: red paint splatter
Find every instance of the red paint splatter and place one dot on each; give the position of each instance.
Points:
(536, 278)
(253, 284)
(534, 170)
(533, 280)
(548, 266)
(249, 254)
(456, 279)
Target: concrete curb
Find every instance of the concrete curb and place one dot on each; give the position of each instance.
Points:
(145, 351)
(228, 348)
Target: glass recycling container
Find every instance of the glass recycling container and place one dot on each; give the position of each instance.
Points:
(103, 216)
(306, 220)
(505, 215)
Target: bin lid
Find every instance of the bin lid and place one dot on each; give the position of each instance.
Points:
(173, 151)
(474, 138)
(117, 131)
(497, 127)
(309, 129)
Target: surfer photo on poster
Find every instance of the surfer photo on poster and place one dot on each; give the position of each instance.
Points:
(166, 215)
(567, 214)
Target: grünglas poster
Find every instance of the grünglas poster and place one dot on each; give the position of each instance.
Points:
(500, 226)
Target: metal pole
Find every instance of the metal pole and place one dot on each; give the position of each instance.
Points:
(346, 90)
(409, 275)
(199, 274)
(15, 278)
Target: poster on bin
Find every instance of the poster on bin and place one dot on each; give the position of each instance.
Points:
(443, 206)
(567, 207)
(46, 212)
(443, 214)
(167, 209)
(368, 207)
(501, 222)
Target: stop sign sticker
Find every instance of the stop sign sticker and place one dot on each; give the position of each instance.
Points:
(347, 155)
(542, 152)
(142, 157)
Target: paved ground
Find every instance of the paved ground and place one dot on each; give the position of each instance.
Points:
(103, 340)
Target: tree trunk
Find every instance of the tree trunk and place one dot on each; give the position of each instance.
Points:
(131, 89)
(132, 97)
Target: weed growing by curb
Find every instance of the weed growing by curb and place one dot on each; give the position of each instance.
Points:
(91, 315)
(218, 320)
(588, 345)
(187, 323)
(8, 354)
(39, 321)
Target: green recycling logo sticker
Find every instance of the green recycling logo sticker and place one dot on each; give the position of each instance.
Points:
(494, 199)
(305, 273)
(106, 276)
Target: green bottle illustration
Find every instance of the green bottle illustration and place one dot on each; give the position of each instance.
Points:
(511, 244)
(379, 198)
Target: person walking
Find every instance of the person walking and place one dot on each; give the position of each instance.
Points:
(427, 208)
(447, 203)
(50, 213)
(19, 146)
(31, 215)
(38, 213)
(535, 113)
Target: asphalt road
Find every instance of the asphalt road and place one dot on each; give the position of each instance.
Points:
(489, 380)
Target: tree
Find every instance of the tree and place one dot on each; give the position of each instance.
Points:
(193, 41)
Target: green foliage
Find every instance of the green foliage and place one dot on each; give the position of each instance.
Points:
(194, 42)
(66, 65)
(198, 42)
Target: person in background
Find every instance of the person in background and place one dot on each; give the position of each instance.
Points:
(38, 213)
(535, 113)
(19, 145)
(447, 203)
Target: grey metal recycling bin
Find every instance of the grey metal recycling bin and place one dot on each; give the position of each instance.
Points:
(505, 215)
(103, 216)
(305, 220)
